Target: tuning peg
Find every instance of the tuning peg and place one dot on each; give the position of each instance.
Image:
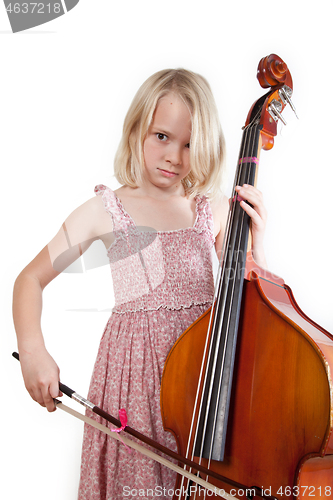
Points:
(285, 94)
(274, 109)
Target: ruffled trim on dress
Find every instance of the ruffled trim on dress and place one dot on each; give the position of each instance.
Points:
(181, 307)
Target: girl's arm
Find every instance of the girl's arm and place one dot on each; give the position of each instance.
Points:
(40, 372)
(258, 216)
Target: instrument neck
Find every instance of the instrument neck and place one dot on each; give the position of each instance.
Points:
(214, 406)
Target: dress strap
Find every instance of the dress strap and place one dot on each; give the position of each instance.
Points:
(204, 220)
(112, 207)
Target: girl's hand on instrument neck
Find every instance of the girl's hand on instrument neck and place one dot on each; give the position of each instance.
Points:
(257, 211)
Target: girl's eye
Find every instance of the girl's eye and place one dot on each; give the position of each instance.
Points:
(187, 145)
(161, 137)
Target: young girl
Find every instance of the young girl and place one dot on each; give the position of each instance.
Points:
(158, 229)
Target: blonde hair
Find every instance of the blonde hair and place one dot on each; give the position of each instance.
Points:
(207, 142)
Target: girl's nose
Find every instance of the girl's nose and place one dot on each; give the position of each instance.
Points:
(174, 155)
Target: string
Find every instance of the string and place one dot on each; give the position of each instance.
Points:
(221, 302)
(236, 251)
(217, 300)
(225, 316)
(211, 328)
(237, 245)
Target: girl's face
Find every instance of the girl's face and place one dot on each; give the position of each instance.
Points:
(166, 147)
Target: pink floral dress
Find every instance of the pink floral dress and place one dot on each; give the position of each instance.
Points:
(163, 282)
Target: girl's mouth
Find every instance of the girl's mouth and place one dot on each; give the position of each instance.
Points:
(167, 173)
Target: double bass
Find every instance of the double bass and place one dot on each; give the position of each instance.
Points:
(247, 389)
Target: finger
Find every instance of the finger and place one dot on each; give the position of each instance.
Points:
(48, 399)
(255, 217)
(253, 196)
(54, 389)
(37, 396)
(250, 193)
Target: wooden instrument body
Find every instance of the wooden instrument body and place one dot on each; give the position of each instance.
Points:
(279, 434)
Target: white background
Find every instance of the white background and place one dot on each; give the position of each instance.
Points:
(65, 88)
